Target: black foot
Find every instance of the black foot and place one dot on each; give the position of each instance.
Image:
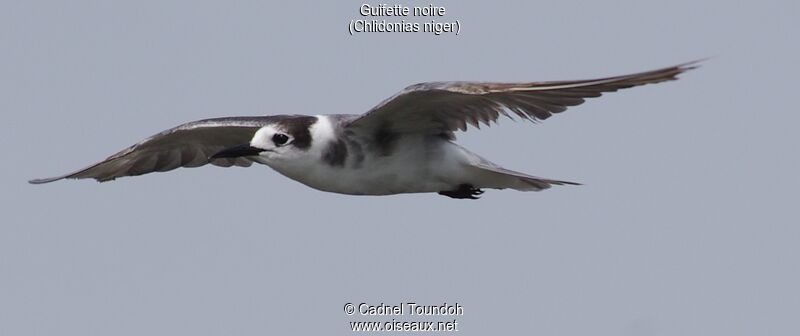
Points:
(463, 191)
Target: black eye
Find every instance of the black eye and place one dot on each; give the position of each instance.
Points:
(280, 138)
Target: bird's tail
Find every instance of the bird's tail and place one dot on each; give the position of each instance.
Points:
(486, 174)
(497, 177)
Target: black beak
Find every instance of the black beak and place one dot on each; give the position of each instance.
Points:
(237, 151)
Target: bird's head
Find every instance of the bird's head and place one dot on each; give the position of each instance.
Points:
(285, 139)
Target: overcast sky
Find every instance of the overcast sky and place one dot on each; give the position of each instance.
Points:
(687, 223)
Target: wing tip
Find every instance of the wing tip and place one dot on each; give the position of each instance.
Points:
(45, 180)
(691, 65)
(54, 179)
(558, 182)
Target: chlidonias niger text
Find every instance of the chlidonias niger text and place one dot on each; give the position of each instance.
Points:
(405, 144)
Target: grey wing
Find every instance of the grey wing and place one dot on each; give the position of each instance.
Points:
(187, 145)
(444, 107)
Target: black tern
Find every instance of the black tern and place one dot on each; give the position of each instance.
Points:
(405, 144)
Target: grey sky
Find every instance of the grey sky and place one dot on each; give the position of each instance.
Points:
(686, 224)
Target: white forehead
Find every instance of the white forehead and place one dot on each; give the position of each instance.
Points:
(263, 135)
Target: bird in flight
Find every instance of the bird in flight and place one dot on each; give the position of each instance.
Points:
(405, 144)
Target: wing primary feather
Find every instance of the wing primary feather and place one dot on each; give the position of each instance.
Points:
(458, 104)
(188, 145)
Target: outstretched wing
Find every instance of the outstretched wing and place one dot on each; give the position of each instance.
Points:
(443, 107)
(188, 145)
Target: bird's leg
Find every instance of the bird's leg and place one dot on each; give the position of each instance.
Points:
(463, 191)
